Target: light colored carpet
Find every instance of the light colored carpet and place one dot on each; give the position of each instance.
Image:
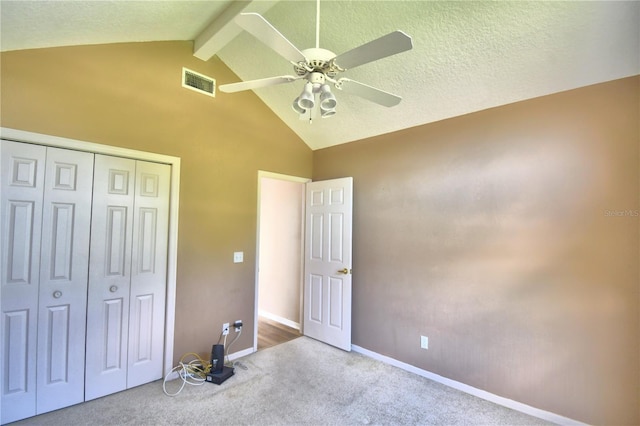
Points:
(299, 382)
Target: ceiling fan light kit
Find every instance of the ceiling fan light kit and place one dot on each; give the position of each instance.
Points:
(305, 100)
(327, 99)
(296, 107)
(320, 66)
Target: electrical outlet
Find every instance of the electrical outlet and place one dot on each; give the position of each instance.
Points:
(424, 342)
(225, 328)
(238, 325)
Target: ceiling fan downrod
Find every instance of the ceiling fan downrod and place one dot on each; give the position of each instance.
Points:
(318, 24)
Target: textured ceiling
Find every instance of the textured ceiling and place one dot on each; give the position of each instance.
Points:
(27, 24)
(467, 56)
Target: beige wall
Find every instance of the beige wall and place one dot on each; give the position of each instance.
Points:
(130, 95)
(281, 207)
(492, 234)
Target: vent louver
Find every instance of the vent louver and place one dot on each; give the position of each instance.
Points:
(198, 82)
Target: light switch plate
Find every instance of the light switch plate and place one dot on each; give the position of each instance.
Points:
(238, 257)
(424, 342)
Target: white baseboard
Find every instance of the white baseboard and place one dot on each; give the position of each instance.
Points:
(279, 319)
(240, 354)
(505, 402)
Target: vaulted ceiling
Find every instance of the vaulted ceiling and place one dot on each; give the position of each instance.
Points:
(467, 56)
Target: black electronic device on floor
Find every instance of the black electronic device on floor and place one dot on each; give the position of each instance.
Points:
(217, 358)
(220, 377)
(219, 372)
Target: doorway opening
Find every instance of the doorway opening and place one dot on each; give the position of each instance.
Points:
(280, 261)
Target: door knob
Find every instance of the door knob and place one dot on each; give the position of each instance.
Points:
(343, 271)
(57, 294)
(113, 288)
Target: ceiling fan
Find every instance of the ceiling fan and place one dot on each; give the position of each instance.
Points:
(319, 67)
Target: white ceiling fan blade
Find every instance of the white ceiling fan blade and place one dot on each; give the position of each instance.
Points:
(390, 44)
(261, 29)
(367, 92)
(256, 84)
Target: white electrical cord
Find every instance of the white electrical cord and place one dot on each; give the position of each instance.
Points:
(232, 342)
(192, 373)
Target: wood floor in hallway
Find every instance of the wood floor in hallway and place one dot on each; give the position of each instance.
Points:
(271, 333)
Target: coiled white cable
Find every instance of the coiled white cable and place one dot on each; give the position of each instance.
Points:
(195, 371)
(192, 373)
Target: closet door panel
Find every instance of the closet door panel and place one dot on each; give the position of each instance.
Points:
(149, 273)
(63, 279)
(22, 179)
(109, 276)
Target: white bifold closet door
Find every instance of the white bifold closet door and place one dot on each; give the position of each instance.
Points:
(22, 197)
(46, 211)
(83, 276)
(127, 275)
(66, 224)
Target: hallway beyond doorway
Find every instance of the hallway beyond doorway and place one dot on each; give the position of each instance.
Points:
(272, 333)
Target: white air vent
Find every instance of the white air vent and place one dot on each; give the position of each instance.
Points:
(198, 82)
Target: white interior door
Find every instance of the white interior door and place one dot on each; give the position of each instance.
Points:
(327, 284)
(109, 276)
(66, 223)
(148, 273)
(22, 197)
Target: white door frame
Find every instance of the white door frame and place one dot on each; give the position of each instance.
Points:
(172, 257)
(271, 175)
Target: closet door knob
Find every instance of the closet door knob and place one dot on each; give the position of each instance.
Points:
(113, 288)
(57, 294)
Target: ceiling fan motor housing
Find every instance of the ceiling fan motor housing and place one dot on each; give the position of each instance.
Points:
(318, 61)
